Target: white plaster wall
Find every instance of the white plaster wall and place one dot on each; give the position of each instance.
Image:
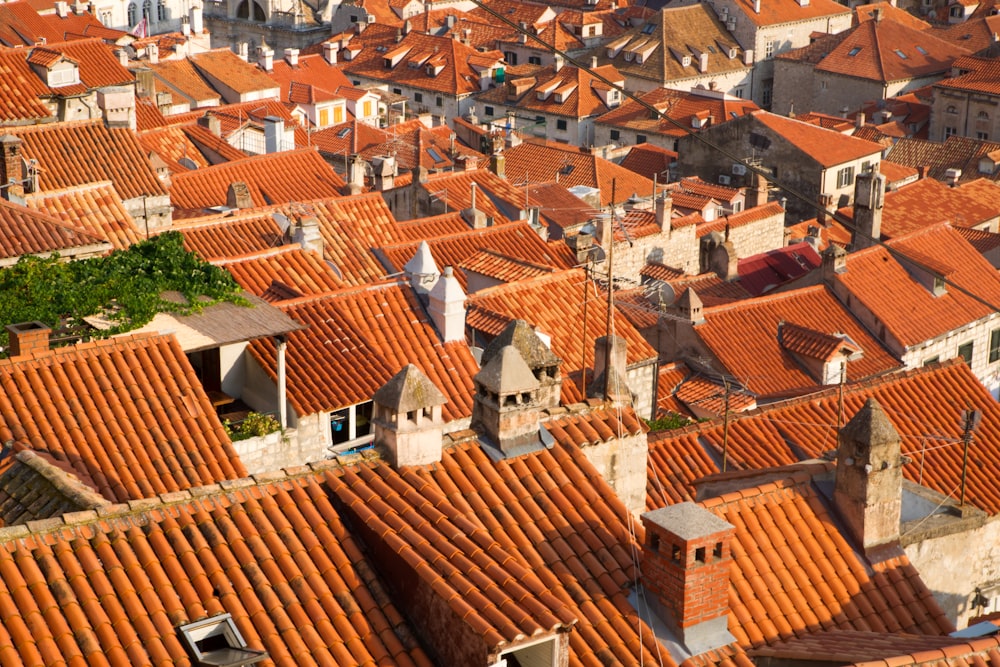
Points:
(953, 566)
(946, 347)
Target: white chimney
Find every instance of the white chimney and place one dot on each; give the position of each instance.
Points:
(330, 52)
(446, 306)
(274, 134)
(197, 26)
(703, 62)
(292, 57)
(153, 53)
(265, 58)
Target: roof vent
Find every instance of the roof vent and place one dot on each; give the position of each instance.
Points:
(216, 641)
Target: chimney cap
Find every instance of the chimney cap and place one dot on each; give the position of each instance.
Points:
(409, 390)
(688, 521)
(507, 373)
(522, 336)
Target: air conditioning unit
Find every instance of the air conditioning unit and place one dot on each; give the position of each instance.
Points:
(739, 169)
(724, 179)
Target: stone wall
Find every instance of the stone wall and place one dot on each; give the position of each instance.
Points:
(622, 464)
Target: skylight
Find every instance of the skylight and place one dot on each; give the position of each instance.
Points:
(922, 50)
(901, 54)
(855, 51)
(343, 132)
(648, 28)
(435, 155)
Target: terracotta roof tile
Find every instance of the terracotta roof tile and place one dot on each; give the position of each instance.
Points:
(711, 289)
(225, 235)
(79, 405)
(570, 166)
(827, 147)
(649, 161)
(498, 197)
(788, 11)
(884, 649)
(24, 231)
(99, 67)
(570, 91)
(760, 358)
(95, 208)
(795, 571)
(21, 100)
(222, 66)
(907, 310)
(554, 305)
(312, 70)
(33, 487)
(271, 178)
(181, 79)
(956, 152)
(677, 109)
(277, 557)
(301, 271)
(81, 152)
(364, 336)
(516, 240)
(670, 377)
(147, 114)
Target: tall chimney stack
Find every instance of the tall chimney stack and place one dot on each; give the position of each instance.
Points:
(27, 338)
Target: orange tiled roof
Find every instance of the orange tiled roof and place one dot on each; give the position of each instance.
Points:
(356, 340)
(554, 305)
(961, 153)
(882, 649)
(23, 26)
(795, 571)
(147, 114)
(570, 166)
(760, 361)
(788, 11)
(827, 147)
(649, 161)
(81, 152)
(677, 108)
(96, 208)
(907, 310)
(976, 75)
(890, 11)
(20, 100)
(227, 235)
(98, 65)
(805, 428)
(300, 271)
(670, 377)
(127, 415)
(457, 76)
(516, 240)
(222, 66)
(181, 78)
(570, 91)
(883, 50)
(419, 229)
(498, 197)
(276, 556)
(271, 178)
(502, 268)
(982, 241)
(24, 231)
(558, 206)
(709, 396)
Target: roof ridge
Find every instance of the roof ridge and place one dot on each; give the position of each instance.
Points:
(795, 478)
(123, 341)
(763, 298)
(256, 254)
(388, 283)
(140, 506)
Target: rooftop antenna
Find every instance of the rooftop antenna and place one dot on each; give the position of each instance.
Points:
(970, 421)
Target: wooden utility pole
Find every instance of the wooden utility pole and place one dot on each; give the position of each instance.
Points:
(970, 419)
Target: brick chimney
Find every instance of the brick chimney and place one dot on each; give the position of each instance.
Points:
(12, 177)
(407, 418)
(686, 560)
(27, 338)
(869, 487)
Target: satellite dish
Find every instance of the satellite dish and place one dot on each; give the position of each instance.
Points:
(187, 163)
(283, 222)
(335, 269)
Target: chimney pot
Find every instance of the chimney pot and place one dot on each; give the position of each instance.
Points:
(27, 338)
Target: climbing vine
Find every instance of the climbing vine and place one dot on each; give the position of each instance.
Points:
(127, 287)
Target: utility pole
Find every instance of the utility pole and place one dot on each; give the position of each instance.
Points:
(611, 293)
(725, 426)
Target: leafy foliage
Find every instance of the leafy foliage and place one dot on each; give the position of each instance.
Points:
(668, 422)
(254, 425)
(127, 287)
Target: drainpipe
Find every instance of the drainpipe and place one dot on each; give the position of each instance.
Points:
(282, 398)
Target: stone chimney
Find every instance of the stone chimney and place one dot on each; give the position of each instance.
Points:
(868, 190)
(274, 134)
(407, 419)
(688, 306)
(869, 486)
(582, 244)
(27, 338)
(664, 211)
(292, 57)
(307, 234)
(724, 261)
(12, 176)
(498, 164)
(610, 377)
(686, 559)
(544, 364)
(212, 123)
(859, 120)
(825, 202)
(265, 58)
(153, 53)
(505, 409)
(834, 261)
(472, 215)
(422, 270)
(330, 52)
(238, 196)
(446, 306)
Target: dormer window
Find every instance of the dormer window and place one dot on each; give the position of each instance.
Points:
(217, 641)
(65, 73)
